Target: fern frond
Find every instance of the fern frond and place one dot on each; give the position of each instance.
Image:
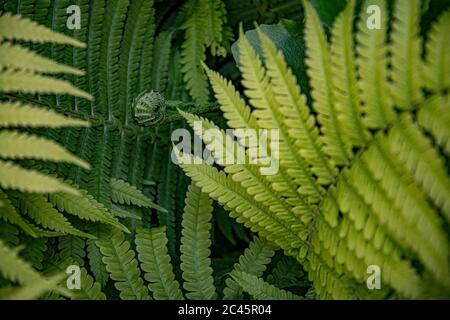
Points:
(419, 156)
(151, 245)
(193, 51)
(139, 14)
(17, 114)
(94, 40)
(216, 19)
(109, 90)
(84, 207)
(94, 255)
(160, 63)
(123, 213)
(35, 251)
(15, 145)
(9, 214)
(406, 51)
(73, 248)
(253, 261)
(12, 81)
(234, 108)
(12, 267)
(145, 64)
(321, 78)
(166, 197)
(195, 242)
(37, 208)
(122, 266)
(16, 57)
(301, 124)
(223, 148)
(260, 289)
(434, 118)
(287, 273)
(372, 68)
(124, 193)
(437, 68)
(267, 113)
(344, 78)
(90, 290)
(17, 28)
(35, 289)
(254, 215)
(13, 176)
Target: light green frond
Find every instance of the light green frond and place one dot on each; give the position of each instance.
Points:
(14, 27)
(12, 81)
(260, 289)
(423, 161)
(16, 57)
(195, 243)
(84, 207)
(234, 108)
(13, 176)
(253, 261)
(90, 290)
(122, 266)
(399, 206)
(268, 116)
(9, 214)
(124, 193)
(434, 117)
(321, 80)
(34, 290)
(300, 122)
(437, 68)
(15, 145)
(151, 245)
(406, 51)
(254, 215)
(40, 210)
(372, 62)
(12, 267)
(344, 78)
(17, 114)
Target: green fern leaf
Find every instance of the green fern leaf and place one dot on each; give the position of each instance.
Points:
(90, 290)
(437, 69)
(193, 51)
(15, 145)
(122, 266)
(406, 50)
(11, 81)
(372, 66)
(20, 115)
(15, 177)
(15, 27)
(16, 57)
(321, 75)
(85, 207)
(9, 214)
(253, 261)
(151, 244)
(261, 290)
(37, 207)
(195, 242)
(124, 193)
